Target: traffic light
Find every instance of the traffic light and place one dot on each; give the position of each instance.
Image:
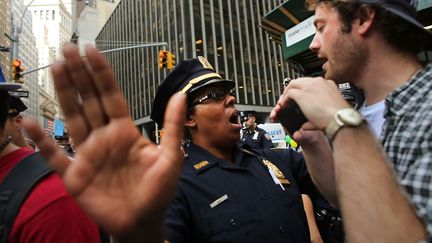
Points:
(17, 70)
(170, 61)
(163, 59)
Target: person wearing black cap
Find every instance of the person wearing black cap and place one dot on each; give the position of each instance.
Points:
(15, 122)
(373, 44)
(252, 135)
(46, 212)
(228, 193)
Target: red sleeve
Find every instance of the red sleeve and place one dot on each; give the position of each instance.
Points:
(50, 215)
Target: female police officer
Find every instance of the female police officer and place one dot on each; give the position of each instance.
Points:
(227, 193)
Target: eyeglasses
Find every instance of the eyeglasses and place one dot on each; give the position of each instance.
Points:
(217, 94)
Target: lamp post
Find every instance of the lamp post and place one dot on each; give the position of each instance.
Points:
(16, 33)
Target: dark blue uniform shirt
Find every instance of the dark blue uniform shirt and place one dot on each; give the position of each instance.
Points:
(257, 139)
(220, 201)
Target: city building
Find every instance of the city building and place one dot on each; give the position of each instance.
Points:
(227, 33)
(57, 18)
(25, 50)
(5, 43)
(92, 16)
(52, 26)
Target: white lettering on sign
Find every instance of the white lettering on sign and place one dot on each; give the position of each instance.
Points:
(300, 31)
(275, 131)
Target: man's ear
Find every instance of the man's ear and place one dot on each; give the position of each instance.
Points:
(366, 17)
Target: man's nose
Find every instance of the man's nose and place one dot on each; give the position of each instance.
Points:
(314, 45)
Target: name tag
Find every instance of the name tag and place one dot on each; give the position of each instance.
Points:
(255, 136)
(219, 201)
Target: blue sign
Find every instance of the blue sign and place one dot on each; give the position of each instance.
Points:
(2, 78)
(58, 127)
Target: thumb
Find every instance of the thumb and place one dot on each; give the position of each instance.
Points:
(173, 127)
(308, 134)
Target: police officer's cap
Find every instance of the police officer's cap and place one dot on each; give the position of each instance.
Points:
(187, 77)
(16, 106)
(9, 86)
(247, 113)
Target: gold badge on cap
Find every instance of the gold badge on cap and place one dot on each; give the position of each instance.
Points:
(201, 164)
(205, 63)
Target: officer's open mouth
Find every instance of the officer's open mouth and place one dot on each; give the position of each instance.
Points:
(235, 119)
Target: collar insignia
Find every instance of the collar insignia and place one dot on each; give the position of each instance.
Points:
(201, 164)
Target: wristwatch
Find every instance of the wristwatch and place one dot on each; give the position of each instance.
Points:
(346, 117)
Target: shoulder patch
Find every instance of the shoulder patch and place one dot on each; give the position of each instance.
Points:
(267, 136)
(201, 164)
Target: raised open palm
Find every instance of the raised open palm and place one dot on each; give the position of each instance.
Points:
(122, 180)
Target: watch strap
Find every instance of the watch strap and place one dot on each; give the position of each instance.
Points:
(335, 125)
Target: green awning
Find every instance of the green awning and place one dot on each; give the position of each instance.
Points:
(284, 24)
(297, 48)
(289, 13)
(284, 17)
(279, 25)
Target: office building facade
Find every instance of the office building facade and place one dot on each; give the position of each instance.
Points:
(5, 43)
(227, 33)
(27, 54)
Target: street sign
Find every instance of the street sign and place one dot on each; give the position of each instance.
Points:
(58, 128)
(19, 93)
(4, 49)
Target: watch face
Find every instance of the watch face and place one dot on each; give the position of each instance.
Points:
(350, 117)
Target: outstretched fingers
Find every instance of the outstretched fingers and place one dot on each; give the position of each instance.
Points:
(55, 156)
(69, 102)
(112, 100)
(83, 81)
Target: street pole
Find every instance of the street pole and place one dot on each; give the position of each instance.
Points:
(107, 51)
(16, 33)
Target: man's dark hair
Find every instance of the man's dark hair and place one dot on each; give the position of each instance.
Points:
(4, 108)
(398, 32)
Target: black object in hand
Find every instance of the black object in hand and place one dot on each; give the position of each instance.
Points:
(291, 118)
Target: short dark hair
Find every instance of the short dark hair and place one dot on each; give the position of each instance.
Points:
(397, 32)
(4, 108)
